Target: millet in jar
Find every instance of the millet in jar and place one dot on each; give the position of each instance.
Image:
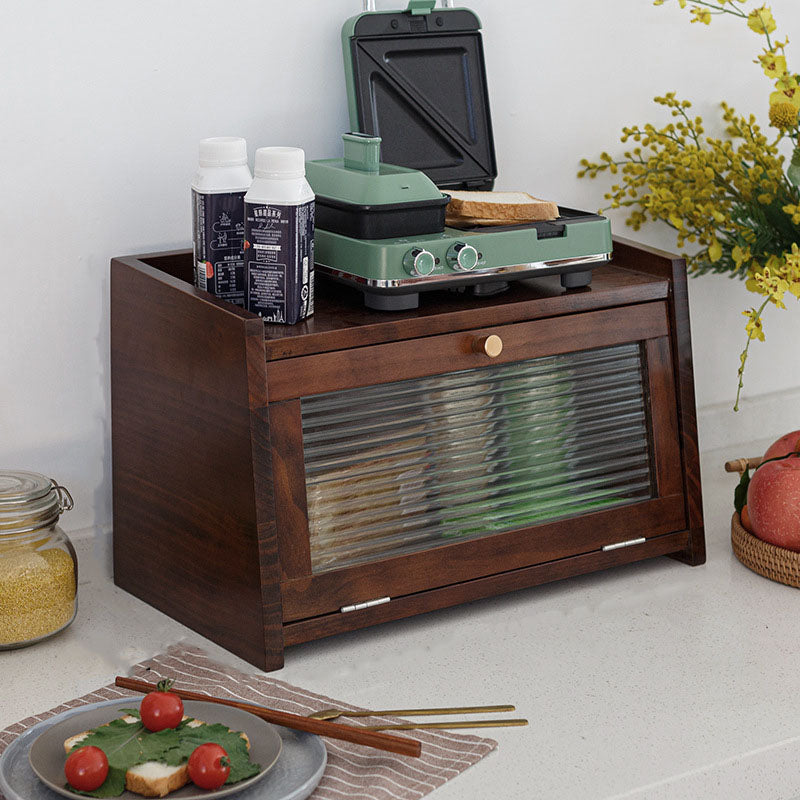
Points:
(37, 591)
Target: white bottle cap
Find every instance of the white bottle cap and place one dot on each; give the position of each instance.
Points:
(280, 162)
(223, 151)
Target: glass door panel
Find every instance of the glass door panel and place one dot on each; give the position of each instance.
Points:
(400, 467)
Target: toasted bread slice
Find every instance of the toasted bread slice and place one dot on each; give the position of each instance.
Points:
(153, 778)
(500, 205)
(485, 223)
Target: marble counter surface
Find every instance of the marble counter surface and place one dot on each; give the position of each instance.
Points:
(649, 681)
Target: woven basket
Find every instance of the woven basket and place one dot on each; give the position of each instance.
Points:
(775, 563)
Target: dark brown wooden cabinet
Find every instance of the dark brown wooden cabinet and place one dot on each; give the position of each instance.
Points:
(275, 484)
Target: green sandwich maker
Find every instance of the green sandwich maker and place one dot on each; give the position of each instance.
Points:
(419, 112)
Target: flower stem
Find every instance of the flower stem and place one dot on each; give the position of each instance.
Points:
(744, 356)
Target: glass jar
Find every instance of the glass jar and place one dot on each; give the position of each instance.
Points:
(38, 567)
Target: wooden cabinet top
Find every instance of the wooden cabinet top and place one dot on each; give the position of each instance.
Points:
(341, 321)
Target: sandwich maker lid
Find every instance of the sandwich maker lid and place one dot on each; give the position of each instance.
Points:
(417, 79)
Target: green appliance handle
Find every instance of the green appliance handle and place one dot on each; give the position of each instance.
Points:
(362, 152)
(421, 6)
(414, 6)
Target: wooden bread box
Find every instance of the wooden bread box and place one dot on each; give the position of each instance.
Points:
(277, 484)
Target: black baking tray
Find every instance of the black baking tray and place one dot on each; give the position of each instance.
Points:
(384, 221)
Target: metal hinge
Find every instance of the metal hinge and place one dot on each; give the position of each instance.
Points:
(359, 606)
(630, 542)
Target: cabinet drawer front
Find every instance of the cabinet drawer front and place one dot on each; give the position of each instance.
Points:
(364, 366)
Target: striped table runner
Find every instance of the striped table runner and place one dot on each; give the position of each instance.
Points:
(352, 771)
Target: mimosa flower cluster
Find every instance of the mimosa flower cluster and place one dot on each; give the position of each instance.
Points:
(731, 199)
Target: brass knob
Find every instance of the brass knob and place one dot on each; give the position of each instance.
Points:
(492, 345)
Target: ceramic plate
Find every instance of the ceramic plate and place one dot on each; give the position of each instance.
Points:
(295, 776)
(46, 755)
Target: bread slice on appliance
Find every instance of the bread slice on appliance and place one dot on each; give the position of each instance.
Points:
(153, 778)
(500, 205)
(477, 222)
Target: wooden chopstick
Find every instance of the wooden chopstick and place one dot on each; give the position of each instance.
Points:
(348, 733)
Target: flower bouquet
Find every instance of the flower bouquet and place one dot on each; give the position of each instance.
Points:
(730, 198)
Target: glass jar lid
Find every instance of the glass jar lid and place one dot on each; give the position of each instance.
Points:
(29, 501)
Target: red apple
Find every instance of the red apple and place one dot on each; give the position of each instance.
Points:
(786, 444)
(773, 502)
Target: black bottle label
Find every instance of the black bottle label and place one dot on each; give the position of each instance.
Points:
(218, 224)
(279, 253)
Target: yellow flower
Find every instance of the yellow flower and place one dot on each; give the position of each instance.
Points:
(761, 20)
(793, 258)
(773, 65)
(740, 256)
(786, 82)
(794, 212)
(773, 287)
(753, 327)
(791, 96)
(783, 115)
(721, 194)
(792, 270)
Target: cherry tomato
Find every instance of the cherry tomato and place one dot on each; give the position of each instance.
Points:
(86, 769)
(209, 766)
(161, 709)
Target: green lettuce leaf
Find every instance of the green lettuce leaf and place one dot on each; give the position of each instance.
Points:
(127, 744)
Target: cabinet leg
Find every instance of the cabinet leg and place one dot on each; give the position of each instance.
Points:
(272, 661)
(695, 553)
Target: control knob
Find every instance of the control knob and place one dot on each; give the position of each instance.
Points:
(462, 257)
(419, 262)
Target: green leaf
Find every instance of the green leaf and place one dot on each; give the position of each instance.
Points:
(127, 744)
(131, 712)
(740, 492)
(113, 786)
(231, 741)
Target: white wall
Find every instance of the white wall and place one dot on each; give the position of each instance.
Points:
(102, 104)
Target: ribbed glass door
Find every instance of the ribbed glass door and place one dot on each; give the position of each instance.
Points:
(406, 466)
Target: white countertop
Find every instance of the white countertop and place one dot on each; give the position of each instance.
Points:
(653, 680)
